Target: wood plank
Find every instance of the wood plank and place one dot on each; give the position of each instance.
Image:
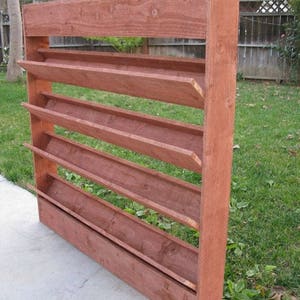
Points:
(145, 278)
(135, 126)
(165, 252)
(144, 18)
(162, 123)
(221, 54)
(91, 122)
(168, 63)
(134, 82)
(169, 66)
(170, 196)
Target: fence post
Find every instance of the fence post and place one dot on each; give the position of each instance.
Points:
(221, 54)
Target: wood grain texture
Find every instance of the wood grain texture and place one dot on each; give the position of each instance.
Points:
(163, 64)
(143, 18)
(161, 85)
(172, 141)
(171, 80)
(129, 131)
(221, 55)
(52, 100)
(170, 196)
(38, 126)
(145, 278)
(165, 252)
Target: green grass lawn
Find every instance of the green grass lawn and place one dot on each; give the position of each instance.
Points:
(264, 230)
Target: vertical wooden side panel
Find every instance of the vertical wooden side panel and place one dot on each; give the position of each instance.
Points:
(221, 55)
(34, 88)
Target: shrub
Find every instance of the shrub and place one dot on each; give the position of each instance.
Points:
(289, 45)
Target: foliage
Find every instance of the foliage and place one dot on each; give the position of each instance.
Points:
(122, 44)
(4, 62)
(239, 291)
(264, 214)
(240, 76)
(256, 283)
(289, 45)
(295, 4)
(22, 2)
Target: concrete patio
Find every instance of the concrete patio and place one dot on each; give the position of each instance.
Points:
(36, 263)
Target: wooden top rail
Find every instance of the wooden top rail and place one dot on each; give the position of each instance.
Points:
(144, 18)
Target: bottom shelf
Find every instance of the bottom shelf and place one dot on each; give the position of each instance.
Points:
(139, 274)
(166, 253)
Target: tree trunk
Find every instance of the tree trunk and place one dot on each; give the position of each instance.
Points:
(3, 5)
(14, 72)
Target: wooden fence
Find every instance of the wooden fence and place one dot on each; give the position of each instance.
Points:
(259, 35)
(4, 35)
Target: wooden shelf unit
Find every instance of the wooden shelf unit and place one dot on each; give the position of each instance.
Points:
(154, 262)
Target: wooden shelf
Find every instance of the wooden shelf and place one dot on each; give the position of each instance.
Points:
(171, 141)
(166, 253)
(169, 196)
(173, 80)
(116, 259)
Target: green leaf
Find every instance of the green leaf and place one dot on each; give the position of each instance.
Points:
(242, 204)
(270, 182)
(251, 293)
(239, 286)
(238, 252)
(129, 210)
(230, 285)
(270, 268)
(242, 296)
(165, 226)
(140, 213)
(251, 273)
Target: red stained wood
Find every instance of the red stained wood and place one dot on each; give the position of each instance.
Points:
(145, 278)
(171, 141)
(38, 126)
(132, 81)
(96, 228)
(166, 253)
(170, 196)
(162, 64)
(146, 18)
(179, 138)
(58, 102)
(221, 53)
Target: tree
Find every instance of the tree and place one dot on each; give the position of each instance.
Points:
(14, 72)
(3, 5)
